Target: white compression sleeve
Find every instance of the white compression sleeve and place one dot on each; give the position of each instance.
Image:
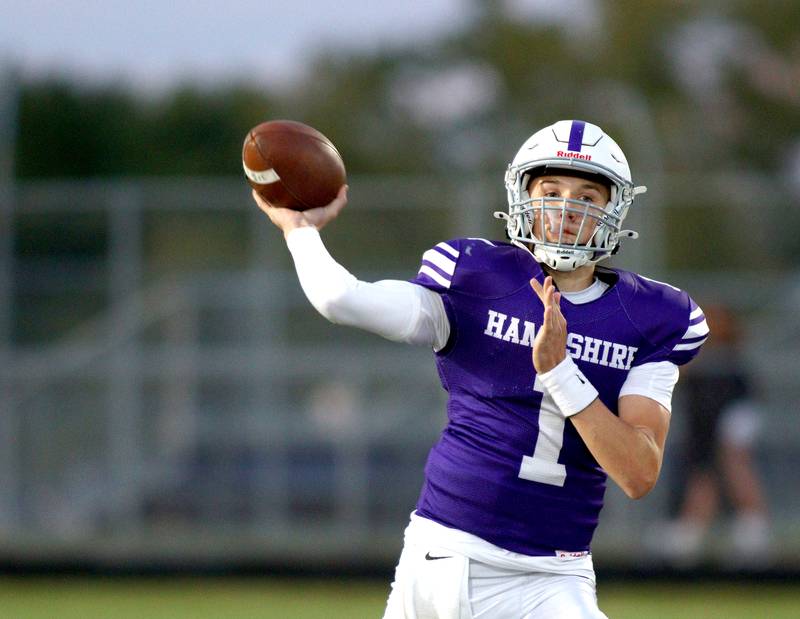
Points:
(397, 310)
(654, 380)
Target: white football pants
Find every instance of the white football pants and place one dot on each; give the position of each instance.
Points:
(434, 583)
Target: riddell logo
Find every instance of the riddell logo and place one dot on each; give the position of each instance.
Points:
(572, 155)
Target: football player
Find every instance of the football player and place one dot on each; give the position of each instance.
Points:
(514, 486)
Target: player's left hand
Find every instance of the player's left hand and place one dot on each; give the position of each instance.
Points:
(550, 344)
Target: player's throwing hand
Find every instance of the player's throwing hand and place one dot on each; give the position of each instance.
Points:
(288, 219)
(550, 344)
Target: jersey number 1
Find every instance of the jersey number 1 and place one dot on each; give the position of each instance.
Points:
(543, 466)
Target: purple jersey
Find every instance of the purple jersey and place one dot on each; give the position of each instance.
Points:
(508, 467)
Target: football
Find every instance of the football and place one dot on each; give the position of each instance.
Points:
(292, 165)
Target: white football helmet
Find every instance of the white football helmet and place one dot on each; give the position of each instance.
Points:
(574, 148)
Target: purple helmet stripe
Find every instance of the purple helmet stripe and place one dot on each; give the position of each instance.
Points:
(576, 135)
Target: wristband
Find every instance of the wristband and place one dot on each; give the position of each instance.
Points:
(569, 388)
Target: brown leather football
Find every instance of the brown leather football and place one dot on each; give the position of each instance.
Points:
(292, 165)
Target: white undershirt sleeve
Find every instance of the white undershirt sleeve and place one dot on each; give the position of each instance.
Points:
(653, 380)
(395, 309)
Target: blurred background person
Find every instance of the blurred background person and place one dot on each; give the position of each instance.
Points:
(718, 454)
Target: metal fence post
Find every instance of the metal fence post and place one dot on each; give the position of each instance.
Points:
(124, 379)
(9, 429)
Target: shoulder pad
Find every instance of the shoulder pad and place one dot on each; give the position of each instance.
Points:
(472, 266)
(666, 316)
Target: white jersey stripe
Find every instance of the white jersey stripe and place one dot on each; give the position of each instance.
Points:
(439, 260)
(697, 312)
(449, 249)
(690, 346)
(426, 270)
(701, 328)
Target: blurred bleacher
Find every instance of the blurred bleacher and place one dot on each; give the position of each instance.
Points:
(169, 398)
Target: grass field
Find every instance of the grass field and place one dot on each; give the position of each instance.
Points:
(203, 598)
